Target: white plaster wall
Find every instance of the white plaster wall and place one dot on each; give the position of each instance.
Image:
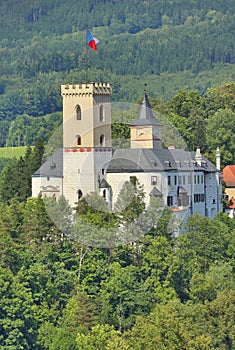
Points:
(39, 183)
(116, 181)
(81, 170)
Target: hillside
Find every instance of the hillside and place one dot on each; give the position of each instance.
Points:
(168, 45)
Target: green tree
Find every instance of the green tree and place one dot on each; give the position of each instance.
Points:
(220, 133)
(17, 317)
(97, 339)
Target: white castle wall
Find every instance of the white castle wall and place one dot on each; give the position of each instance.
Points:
(82, 167)
(47, 186)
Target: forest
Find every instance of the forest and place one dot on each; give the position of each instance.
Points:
(162, 292)
(170, 46)
(58, 290)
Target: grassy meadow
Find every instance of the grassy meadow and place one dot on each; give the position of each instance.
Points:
(11, 152)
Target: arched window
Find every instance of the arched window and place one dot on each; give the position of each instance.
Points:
(79, 141)
(101, 140)
(78, 113)
(104, 193)
(101, 113)
(79, 194)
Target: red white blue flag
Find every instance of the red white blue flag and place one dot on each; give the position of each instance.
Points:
(91, 40)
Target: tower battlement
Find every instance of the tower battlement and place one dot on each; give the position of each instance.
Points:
(86, 89)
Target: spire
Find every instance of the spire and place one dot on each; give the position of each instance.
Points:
(218, 159)
(198, 156)
(145, 114)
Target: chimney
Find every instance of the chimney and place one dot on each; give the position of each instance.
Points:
(198, 156)
(217, 159)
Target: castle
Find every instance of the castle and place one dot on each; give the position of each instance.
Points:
(185, 181)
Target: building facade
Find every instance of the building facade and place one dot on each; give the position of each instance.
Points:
(185, 181)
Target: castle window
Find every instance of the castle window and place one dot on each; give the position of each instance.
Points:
(169, 180)
(104, 194)
(79, 194)
(200, 197)
(102, 140)
(78, 113)
(154, 180)
(170, 201)
(175, 180)
(79, 141)
(101, 113)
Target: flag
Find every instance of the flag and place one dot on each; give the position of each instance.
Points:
(91, 41)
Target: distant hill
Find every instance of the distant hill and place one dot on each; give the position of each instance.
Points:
(170, 45)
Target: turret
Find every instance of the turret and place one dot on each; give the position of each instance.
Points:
(145, 130)
(198, 156)
(218, 167)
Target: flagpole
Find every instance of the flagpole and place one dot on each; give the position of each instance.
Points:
(86, 54)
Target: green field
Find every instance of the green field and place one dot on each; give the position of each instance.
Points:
(11, 152)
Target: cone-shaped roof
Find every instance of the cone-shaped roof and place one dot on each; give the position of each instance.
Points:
(145, 114)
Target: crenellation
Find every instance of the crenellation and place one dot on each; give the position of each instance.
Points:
(86, 89)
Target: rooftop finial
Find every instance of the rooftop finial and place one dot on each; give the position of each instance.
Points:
(218, 159)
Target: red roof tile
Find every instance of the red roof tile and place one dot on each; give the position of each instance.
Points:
(229, 175)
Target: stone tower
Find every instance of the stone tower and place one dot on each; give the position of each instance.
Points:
(87, 142)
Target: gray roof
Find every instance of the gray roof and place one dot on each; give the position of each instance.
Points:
(104, 184)
(181, 190)
(155, 192)
(155, 160)
(145, 114)
(53, 167)
(135, 160)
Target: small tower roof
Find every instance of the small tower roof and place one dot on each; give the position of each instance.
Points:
(104, 184)
(145, 114)
(155, 192)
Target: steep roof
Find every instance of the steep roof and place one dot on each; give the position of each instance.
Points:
(145, 114)
(53, 167)
(229, 175)
(155, 192)
(104, 184)
(154, 160)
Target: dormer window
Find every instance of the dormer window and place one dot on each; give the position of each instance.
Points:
(78, 113)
